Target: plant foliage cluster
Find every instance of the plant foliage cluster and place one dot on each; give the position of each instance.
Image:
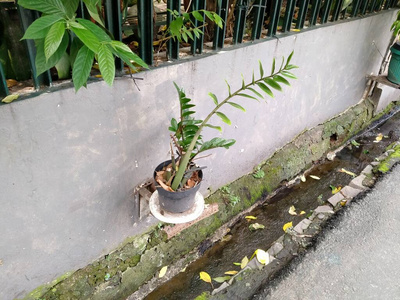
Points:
(59, 34)
(186, 133)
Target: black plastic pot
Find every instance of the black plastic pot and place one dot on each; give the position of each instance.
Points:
(179, 201)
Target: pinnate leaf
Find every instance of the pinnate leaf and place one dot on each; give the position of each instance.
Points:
(265, 89)
(273, 83)
(237, 106)
(214, 98)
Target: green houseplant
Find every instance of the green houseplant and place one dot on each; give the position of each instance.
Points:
(394, 64)
(180, 173)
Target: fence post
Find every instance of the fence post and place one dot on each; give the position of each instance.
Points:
(240, 21)
(145, 15)
(219, 33)
(172, 46)
(287, 21)
(259, 12)
(274, 17)
(303, 7)
(27, 17)
(3, 83)
(113, 24)
(197, 43)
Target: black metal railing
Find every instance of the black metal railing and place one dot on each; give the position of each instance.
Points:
(247, 20)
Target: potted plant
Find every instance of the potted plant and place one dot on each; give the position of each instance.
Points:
(178, 179)
(394, 64)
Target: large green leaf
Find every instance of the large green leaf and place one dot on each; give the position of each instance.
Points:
(39, 28)
(70, 7)
(216, 143)
(76, 44)
(53, 38)
(106, 64)
(101, 35)
(223, 118)
(86, 36)
(126, 54)
(41, 63)
(93, 9)
(45, 6)
(82, 66)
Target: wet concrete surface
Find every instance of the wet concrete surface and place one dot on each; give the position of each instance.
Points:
(358, 258)
(305, 196)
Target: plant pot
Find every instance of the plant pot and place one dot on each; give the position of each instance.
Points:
(394, 64)
(178, 201)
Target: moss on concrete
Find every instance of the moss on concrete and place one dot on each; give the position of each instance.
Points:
(390, 161)
(139, 258)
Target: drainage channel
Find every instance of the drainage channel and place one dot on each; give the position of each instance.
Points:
(240, 241)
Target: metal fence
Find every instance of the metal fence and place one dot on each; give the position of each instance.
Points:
(244, 20)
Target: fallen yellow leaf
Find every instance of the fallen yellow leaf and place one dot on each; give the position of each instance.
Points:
(250, 218)
(302, 212)
(205, 277)
(342, 170)
(231, 272)
(10, 98)
(292, 211)
(287, 225)
(335, 189)
(163, 271)
(244, 263)
(378, 138)
(262, 256)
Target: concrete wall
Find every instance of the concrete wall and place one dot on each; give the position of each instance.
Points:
(69, 162)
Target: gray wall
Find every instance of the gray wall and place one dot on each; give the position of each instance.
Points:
(69, 161)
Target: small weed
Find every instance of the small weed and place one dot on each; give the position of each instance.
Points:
(259, 174)
(225, 189)
(233, 200)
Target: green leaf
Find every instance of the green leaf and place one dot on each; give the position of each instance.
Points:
(223, 118)
(188, 113)
(255, 92)
(63, 67)
(247, 96)
(101, 35)
(237, 106)
(216, 143)
(187, 106)
(273, 66)
(10, 98)
(76, 44)
(265, 89)
(273, 83)
(39, 28)
(222, 279)
(261, 69)
(86, 36)
(174, 125)
(279, 78)
(229, 88)
(214, 127)
(106, 64)
(184, 36)
(243, 83)
(70, 7)
(290, 67)
(41, 63)
(198, 16)
(82, 66)
(288, 74)
(53, 38)
(93, 7)
(218, 20)
(289, 58)
(214, 98)
(45, 6)
(126, 54)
